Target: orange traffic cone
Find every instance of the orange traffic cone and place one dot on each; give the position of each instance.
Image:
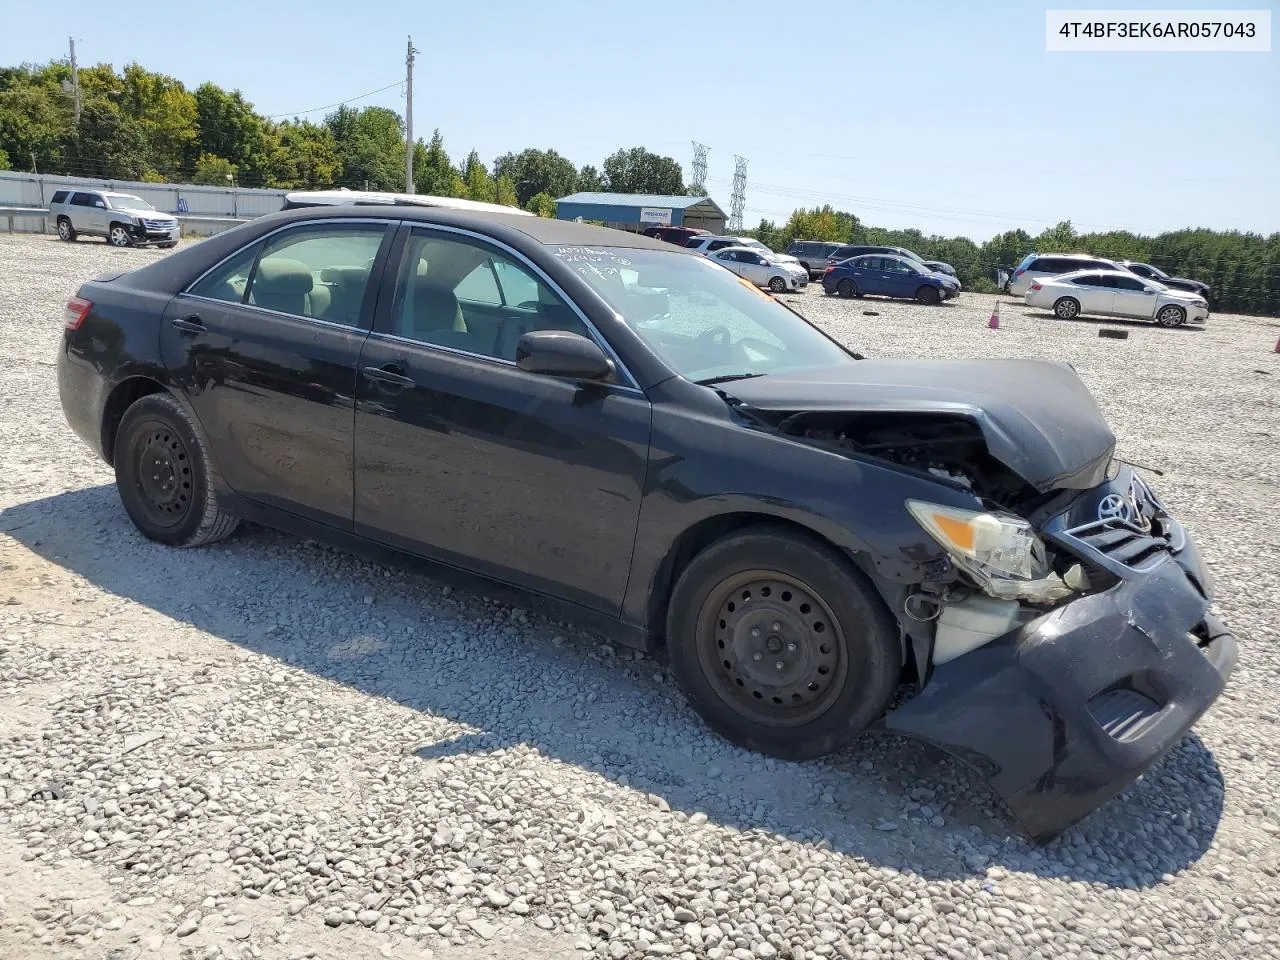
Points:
(994, 322)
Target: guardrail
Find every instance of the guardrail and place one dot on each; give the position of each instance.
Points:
(188, 224)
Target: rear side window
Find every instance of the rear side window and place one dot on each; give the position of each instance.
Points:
(228, 281)
(1090, 280)
(60, 196)
(318, 272)
(1126, 283)
(83, 199)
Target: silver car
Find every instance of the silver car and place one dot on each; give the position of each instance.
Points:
(1116, 293)
(1035, 266)
(123, 219)
(763, 269)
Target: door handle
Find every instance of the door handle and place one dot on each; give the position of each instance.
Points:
(192, 324)
(389, 374)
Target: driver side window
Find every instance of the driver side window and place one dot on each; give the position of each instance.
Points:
(462, 294)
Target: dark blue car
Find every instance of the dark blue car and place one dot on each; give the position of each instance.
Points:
(888, 276)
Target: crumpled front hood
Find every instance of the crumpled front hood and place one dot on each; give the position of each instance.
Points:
(1037, 417)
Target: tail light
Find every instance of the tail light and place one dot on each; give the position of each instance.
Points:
(1020, 271)
(829, 269)
(1036, 286)
(77, 310)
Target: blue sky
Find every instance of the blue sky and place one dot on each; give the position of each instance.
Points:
(949, 117)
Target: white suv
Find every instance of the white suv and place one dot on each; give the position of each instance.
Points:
(1035, 266)
(123, 219)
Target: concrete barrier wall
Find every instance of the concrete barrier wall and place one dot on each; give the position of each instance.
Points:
(35, 190)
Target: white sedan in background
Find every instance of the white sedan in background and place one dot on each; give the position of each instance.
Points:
(763, 269)
(1116, 293)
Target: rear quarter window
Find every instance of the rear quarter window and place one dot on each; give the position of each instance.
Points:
(60, 196)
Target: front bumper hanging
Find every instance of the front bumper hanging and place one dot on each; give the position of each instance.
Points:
(1065, 712)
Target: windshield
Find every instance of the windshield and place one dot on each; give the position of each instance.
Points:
(702, 320)
(126, 201)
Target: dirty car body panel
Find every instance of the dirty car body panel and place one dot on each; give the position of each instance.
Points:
(1096, 686)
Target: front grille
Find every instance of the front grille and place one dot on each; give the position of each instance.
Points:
(1124, 714)
(1122, 543)
(162, 225)
(1136, 539)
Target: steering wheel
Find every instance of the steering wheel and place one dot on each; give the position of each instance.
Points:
(718, 336)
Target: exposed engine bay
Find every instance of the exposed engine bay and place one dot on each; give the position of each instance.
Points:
(946, 446)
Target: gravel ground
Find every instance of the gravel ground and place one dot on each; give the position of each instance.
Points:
(272, 749)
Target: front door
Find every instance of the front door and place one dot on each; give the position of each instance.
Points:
(1133, 298)
(462, 457)
(265, 348)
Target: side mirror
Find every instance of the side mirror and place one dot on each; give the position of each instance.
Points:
(100, 204)
(558, 353)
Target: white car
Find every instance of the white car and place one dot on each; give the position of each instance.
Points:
(764, 270)
(710, 244)
(1116, 293)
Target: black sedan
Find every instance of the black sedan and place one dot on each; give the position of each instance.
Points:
(1148, 272)
(634, 433)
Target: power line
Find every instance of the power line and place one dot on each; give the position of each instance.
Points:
(340, 103)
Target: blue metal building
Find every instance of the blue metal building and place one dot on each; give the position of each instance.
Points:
(636, 211)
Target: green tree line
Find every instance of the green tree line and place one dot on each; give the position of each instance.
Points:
(139, 125)
(1243, 269)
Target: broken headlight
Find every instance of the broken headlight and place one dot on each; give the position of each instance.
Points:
(1002, 553)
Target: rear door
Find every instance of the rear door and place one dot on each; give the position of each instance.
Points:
(462, 457)
(1095, 293)
(1133, 297)
(729, 259)
(265, 348)
(86, 215)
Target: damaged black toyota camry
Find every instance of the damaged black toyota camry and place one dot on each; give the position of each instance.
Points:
(638, 434)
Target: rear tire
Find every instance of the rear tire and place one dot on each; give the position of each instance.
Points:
(847, 288)
(929, 295)
(1067, 308)
(118, 235)
(66, 232)
(780, 645)
(165, 477)
(1170, 316)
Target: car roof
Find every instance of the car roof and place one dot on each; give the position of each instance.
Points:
(1095, 271)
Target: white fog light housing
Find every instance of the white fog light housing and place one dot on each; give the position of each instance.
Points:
(1002, 553)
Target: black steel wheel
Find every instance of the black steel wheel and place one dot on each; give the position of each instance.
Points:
(164, 476)
(929, 295)
(847, 288)
(780, 644)
(1067, 308)
(66, 231)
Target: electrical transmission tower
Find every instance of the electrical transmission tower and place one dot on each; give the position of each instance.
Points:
(698, 185)
(738, 202)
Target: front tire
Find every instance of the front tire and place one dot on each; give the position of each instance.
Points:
(1170, 316)
(165, 477)
(1067, 308)
(778, 285)
(929, 295)
(118, 235)
(780, 645)
(66, 232)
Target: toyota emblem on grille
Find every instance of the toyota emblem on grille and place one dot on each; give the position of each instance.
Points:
(1115, 507)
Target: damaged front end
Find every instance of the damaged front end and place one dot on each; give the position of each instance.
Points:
(1061, 641)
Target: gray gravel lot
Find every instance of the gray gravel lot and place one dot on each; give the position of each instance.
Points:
(273, 749)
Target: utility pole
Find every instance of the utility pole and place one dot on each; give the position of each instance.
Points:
(408, 119)
(75, 80)
(698, 180)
